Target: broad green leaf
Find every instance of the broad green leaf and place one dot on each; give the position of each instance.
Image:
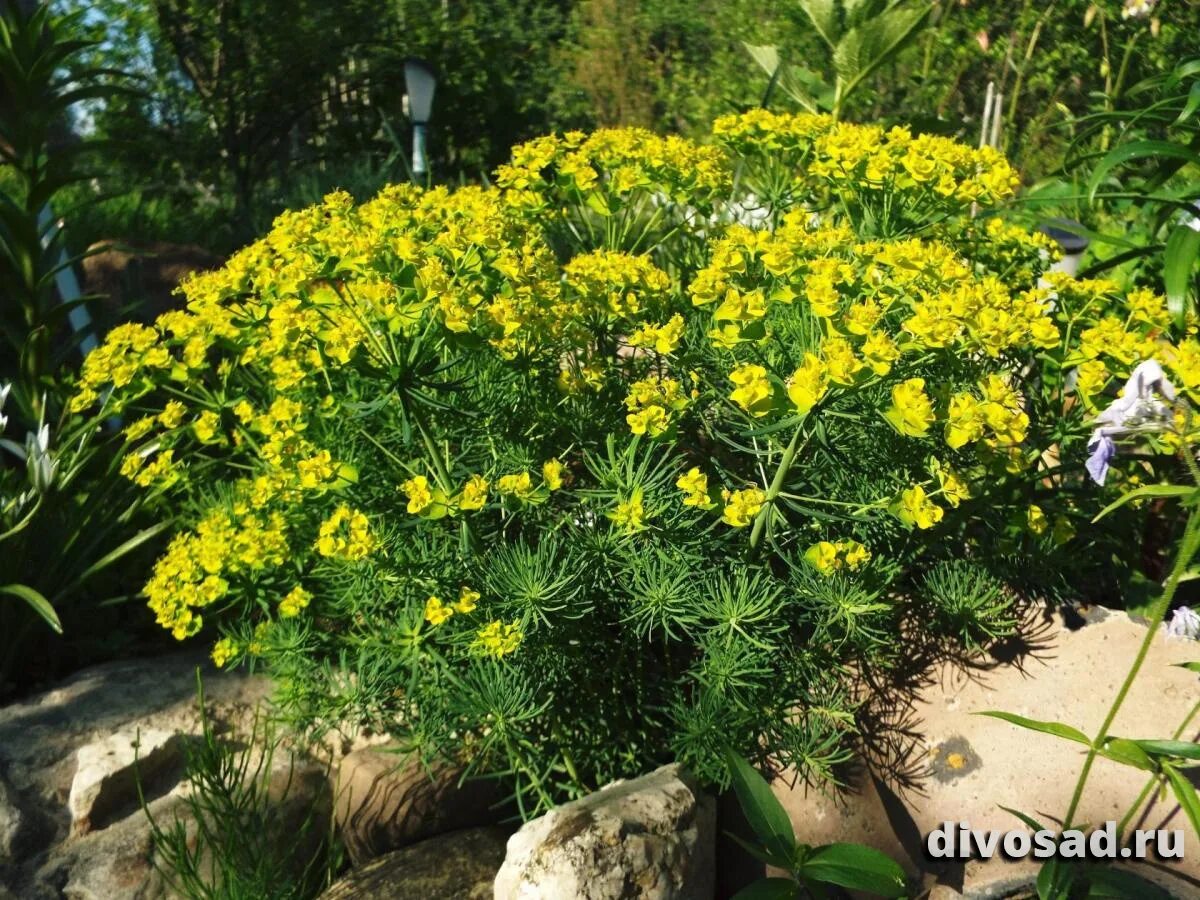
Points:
(1179, 258)
(1185, 793)
(855, 867)
(1138, 150)
(788, 78)
(36, 601)
(863, 49)
(1190, 666)
(1118, 884)
(1127, 753)
(1058, 729)
(769, 889)
(762, 808)
(1149, 490)
(1178, 749)
(824, 16)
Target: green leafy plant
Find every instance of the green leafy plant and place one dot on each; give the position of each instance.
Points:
(860, 36)
(1151, 179)
(623, 458)
(809, 869)
(40, 83)
(246, 829)
(969, 601)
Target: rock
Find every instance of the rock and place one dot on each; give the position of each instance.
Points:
(942, 762)
(650, 837)
(385, 799)
(109, 770)
(81, 830)
(460, 865)
(11, 822)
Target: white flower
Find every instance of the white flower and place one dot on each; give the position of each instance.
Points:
(1137, 9)
(1138, 408)
(39, 460)
(1184, 623)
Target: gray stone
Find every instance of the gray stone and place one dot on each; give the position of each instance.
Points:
(108, 771)
(385, 800)
(651, 837)
(75, 827)
(12, 821)
(460, 865)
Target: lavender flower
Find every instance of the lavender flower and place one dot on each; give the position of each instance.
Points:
(1137, 409)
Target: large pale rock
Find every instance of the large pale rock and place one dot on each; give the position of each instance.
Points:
(54, 756)
(108, 771)
(935, 760)
(651, 837)
(385, 799)
(460, 865)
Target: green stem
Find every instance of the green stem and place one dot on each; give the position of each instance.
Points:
(785, 463)
(1187, 549)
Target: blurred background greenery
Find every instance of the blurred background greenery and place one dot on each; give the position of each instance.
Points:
(247, 107)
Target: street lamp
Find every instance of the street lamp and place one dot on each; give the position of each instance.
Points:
(420, 82)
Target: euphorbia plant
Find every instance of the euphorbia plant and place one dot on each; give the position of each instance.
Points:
(574, 473)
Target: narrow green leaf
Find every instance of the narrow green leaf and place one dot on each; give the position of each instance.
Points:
(1190, 666)
(762, 808)
(855, 867)
(1179, 258)
(1149, 490)
(1138, 150)
(1031, 823)
(1178, 749)
(37, 602)
(1058, 729)
(1185, 793)
(127, 547)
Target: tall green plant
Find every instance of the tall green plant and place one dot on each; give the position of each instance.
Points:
(40, 82)
(860, 35)
(1153, 174)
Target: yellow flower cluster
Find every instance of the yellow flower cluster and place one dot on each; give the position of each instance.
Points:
(654, 404)
(610, 166)
(346, 535)
(193, 572)
(742, 506)
(856, 159)
(497, 639)
(694, 485)
(828, 557)
(615, 285)
(437, 611)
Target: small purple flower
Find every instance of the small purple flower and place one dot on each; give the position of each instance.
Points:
(1137, 409)
(1103, 449)
(1184, 623)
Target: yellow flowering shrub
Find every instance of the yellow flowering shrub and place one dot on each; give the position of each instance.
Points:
(622, 457)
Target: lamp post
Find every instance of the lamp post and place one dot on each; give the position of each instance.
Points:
(420, 81)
